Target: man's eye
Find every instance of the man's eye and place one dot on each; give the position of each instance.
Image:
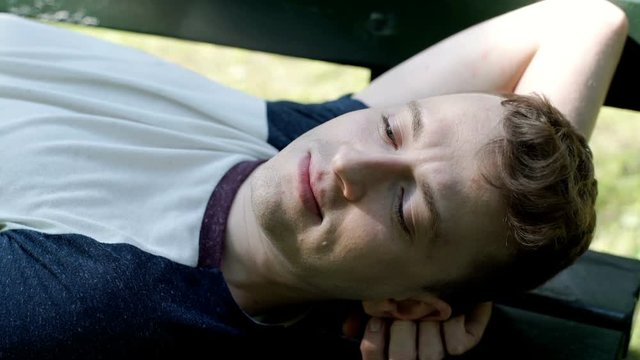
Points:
(399, 213)
(389, 130)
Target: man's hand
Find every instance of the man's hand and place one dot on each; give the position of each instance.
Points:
(423, 339)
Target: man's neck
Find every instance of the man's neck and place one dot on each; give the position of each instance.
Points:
(258, 281)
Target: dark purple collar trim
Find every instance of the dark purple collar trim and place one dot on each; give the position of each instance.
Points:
(214, 222)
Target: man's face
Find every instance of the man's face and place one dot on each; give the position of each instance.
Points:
(378, 203)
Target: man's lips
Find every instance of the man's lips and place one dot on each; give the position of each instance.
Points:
(305, 186)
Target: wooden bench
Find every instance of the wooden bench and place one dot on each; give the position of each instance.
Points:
(586, 312)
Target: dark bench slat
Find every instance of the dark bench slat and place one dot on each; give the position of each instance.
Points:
(519, 334)
(375, 34)
(599, 289)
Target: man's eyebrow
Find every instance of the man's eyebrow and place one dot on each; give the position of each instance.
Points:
(434, 215)
(416, 119)
(425, 187)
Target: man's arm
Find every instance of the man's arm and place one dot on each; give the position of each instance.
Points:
(565, 49)
(576, 57)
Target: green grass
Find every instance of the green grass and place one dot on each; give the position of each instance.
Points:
(615, 143)
(617, 160)
(616, 149)
(265, 75)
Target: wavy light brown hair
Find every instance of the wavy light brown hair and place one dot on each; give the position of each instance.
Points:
(546, 179)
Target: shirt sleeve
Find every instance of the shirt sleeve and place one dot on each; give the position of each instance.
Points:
(68, 296)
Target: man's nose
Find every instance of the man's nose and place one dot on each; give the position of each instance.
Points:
(360, 171)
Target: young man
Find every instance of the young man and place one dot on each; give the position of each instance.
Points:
(139, 213)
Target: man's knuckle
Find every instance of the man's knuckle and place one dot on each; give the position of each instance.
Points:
(404, 355)
(438, 355)
(456, 349)
(432, 353)
(368, 348)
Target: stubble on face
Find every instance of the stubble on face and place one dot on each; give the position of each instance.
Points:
(285, 229)
(265, 196)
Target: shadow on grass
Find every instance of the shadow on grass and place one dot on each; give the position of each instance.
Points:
(633, 355)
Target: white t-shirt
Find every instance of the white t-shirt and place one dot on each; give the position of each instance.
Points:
(112, 143)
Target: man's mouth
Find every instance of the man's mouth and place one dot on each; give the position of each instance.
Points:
(305, 187)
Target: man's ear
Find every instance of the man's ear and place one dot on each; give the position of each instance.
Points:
(423, 308)
(439, 309)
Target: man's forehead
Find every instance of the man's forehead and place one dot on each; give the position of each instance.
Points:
(469, 122)
(463, 125)
(471, 110)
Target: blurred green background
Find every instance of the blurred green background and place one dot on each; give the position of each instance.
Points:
(615, 142)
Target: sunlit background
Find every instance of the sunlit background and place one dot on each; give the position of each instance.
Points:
(615, 142)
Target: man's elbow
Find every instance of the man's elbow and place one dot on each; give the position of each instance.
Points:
(608, 16)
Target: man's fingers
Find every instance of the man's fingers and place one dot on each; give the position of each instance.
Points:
(430, 345)
(373, 344)
(455, 335)
(477, 320)
(425, 340)
(402, 340)
(463, 332)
